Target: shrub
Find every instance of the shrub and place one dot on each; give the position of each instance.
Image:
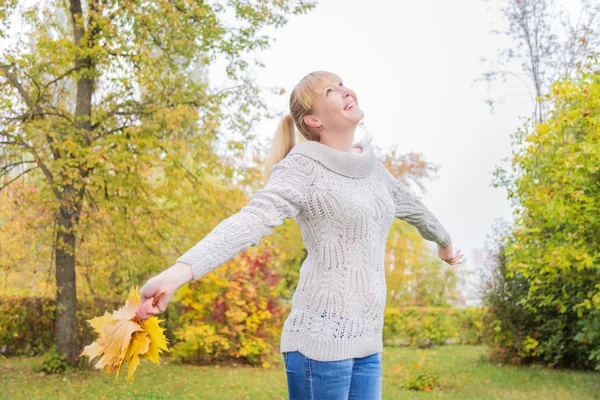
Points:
(27, 323)
(421, 375)
(426, 326)
(53, 362)
(235, 313)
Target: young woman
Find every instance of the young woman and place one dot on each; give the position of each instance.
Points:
(345, 202)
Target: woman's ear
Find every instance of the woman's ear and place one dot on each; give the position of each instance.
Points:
(312, 121)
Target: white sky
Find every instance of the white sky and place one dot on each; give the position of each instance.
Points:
(413, 66)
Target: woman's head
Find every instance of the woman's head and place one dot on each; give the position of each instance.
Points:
(317, 108)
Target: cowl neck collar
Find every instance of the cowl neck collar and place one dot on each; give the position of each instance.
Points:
(355, 165)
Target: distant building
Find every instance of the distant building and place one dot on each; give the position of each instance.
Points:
(469, 278)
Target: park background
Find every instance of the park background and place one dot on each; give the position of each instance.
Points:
(429, 77)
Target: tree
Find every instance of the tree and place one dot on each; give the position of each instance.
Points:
(554, 245)
(104, 91)
(549, 44)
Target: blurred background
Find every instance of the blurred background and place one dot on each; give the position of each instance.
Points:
(127, 137)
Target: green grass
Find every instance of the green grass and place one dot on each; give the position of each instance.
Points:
(463, 371)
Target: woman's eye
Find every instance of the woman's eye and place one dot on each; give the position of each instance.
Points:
(331, 89)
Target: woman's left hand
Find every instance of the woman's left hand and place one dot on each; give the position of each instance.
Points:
(446, 254)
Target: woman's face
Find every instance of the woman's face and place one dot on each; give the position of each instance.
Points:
(330, 109)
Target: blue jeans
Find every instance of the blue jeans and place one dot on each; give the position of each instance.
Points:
(348, 379)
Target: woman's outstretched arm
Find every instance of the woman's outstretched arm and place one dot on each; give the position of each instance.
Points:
(282, 197)
(412, 210)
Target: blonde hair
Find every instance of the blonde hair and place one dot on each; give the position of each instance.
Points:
(302, 99)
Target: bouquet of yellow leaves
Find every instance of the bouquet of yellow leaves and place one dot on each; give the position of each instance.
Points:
(124, 337)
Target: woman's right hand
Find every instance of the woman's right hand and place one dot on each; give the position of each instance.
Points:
(167, 281)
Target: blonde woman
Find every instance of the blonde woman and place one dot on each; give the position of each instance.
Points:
(345, 202)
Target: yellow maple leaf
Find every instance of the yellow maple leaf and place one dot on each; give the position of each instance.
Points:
(112, 342)
(158, 341)
(123, 337)
(139, 345)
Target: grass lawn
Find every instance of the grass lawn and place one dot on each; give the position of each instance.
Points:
(463, 372)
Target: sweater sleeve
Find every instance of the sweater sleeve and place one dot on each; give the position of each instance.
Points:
(282, 197)
(412, 210)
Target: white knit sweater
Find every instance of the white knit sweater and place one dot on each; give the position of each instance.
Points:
(345, 204)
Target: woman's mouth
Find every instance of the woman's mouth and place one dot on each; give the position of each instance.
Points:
(349, 106)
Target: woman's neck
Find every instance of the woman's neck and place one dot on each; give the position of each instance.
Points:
(341, 143)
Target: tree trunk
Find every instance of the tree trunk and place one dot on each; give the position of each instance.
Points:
(66, 333)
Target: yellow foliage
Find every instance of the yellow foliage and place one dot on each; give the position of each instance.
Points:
(123, 337)
(238, 309)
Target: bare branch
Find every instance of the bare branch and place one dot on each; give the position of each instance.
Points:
(52, 82)
(138, 109)
(109, 132)
(544, 55)
(15, 82)
(5, 168)
(17, 177)
(40, 164)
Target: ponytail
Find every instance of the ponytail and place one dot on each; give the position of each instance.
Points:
(283, 141)
(302, 100)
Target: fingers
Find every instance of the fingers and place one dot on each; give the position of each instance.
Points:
(455, 260)
(147, 309)
(141, 314)
(148, 294)
(150, 308)
(458, 255)
(143, 300)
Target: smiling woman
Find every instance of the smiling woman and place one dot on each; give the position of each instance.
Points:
(345, 202)
(334, 113)
(324, 110)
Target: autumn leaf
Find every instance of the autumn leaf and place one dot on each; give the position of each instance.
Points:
(158, 341)
(124, 338)
(139, 345)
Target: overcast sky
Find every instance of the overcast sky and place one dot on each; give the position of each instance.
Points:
(413, 66)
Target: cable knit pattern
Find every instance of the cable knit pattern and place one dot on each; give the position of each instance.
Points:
(345, 204)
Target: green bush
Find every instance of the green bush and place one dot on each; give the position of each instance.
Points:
(421, 375)
(27, 323)
(516, 334)
(53, 362)
(423, 326)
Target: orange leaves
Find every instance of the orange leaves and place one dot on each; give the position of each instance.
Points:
(122, 337)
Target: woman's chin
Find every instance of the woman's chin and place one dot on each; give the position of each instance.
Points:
(359, 116)
(354, 118)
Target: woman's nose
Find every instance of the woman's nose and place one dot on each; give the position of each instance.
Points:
(349, 93)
